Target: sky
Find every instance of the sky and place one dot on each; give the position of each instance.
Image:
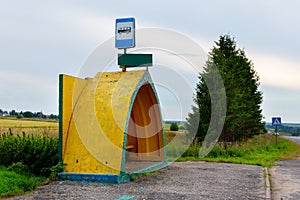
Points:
(41, 39)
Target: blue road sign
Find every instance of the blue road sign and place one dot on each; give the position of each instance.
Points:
(125, 33)
(276, 121)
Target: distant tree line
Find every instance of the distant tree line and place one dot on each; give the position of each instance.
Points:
(27, 114)
(294, 130)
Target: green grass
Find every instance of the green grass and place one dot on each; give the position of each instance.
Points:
(260, 150)
(26, 161)
(34, 152)
(12, 183)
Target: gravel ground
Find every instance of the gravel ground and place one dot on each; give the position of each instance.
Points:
(186, 180)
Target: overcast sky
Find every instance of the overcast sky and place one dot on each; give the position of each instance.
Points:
(42, 39)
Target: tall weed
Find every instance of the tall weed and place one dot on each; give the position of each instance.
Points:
(38, 153)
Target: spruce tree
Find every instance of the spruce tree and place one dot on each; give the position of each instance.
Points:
(243, 112)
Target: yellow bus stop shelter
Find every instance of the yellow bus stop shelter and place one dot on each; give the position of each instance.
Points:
(110, 126)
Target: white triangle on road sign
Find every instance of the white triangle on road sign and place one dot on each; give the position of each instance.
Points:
(276, 122)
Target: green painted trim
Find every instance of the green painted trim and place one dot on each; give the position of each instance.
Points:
(123, 177)
(150, 168)
(84, 177)
(146, 78)
(149, 80)
(134, 60)
(125, 197)
(158, 103)
(163, 130)
(142, 81)
(60, 102)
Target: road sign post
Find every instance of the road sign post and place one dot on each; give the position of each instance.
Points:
(276, 121)
(125, 38)
(276, 134)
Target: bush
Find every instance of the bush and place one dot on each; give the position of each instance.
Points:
(19, 168)
(192, 151)
(55, 170)
(33, 152)
(174, 127)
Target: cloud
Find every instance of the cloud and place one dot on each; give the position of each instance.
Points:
(39, 40)
(279, 102)
(90, 26)
(277, 71)
(21, 91)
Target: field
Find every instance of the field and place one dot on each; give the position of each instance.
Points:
(285, 129)
(29, 126)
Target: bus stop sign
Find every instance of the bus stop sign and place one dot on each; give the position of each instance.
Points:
(125, 33)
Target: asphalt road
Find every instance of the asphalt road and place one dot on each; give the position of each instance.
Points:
(294, 139)
(286, 178)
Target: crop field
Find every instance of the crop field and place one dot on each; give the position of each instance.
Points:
(29, 126)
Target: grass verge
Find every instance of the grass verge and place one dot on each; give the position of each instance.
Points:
(13, 183)
(25, 160)
(260, 150)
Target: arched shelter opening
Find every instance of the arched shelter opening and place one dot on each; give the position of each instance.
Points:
(144, 143)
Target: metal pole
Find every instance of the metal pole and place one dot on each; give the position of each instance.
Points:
(124, 67)
(276, 133)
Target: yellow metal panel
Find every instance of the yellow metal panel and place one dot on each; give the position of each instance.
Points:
(77, 155)
(68, 90)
